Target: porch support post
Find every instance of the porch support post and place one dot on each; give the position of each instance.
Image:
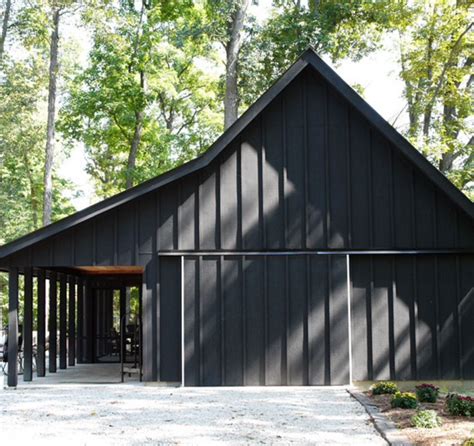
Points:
(41, 324)
(80, 320)
(99, 299)
(72, 322)
(53, 322)
(28, 326)
(12, 327)
(91, 323)
(123, 322)
(128, 298)
(62, 321)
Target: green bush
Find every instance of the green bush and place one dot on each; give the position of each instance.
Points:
(405, 400)
(425, 419)
(468, 442)
(460, 405)
(427, 393)
(383, 388)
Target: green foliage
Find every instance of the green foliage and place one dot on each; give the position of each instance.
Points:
(404, 400)
(460, 405)
(384, 387)
(149, 67)
(23, 90)
(426, 419)
(427, 393)
(436, 67)
(468, 442)
(338, 29)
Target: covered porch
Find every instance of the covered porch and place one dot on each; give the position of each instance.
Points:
(61, 317)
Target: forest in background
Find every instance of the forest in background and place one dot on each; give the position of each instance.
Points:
(161, 79)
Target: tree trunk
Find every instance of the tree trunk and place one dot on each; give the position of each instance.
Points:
(231, 99)
(6, 18)
(137, 136)
(50, 130)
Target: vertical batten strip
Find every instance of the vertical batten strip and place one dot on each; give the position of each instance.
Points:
(348, 179)
(263, 378)
(305, 162)
(94, 242)
(349, 316)
(369, 301)
(327, 323)
(306, 373)
(413, 209)
(392, 199)
(391, 319)
(326, 165)
(370, 190)
(220, 302)
(284, 171)
(218, 213)
(437, 324)
(243, 315)
(415, 318)
(458, 318)
(261, 196)
(183, 355)
(286, 378)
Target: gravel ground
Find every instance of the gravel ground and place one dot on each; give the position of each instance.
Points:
(71, 414)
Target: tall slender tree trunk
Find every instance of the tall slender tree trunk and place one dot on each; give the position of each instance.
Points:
(231, 99)
(136, 139)
(50, 130)
(6, 19)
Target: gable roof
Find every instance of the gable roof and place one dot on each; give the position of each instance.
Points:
(308, 58)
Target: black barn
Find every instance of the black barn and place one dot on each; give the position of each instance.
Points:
(310, 245)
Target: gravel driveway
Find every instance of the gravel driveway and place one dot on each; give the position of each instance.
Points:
(136, 414)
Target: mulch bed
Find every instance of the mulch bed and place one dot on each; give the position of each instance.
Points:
(453, 431)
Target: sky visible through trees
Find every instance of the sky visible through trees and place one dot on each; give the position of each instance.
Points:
(98, 96)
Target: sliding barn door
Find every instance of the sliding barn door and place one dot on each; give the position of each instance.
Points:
(265, 320)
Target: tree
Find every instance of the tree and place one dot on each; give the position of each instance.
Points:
(22, 95)
(23, 104)
(5, 24)
(338, 29)
(145, 103)
(436, 59)
(50, 127)
(227, 21)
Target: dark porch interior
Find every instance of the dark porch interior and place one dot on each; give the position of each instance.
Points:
(79, 315)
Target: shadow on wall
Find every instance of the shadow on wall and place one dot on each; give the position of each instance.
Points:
(412, 317)
(406, 322)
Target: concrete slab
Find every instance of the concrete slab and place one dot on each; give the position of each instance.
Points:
(80, 374)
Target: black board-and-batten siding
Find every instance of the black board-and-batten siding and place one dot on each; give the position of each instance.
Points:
(308, 207)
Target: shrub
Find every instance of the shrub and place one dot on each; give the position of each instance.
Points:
(405, 400)
(427, 393)
(459, 405)
(468, 442)
(425, 419)
(384, 387)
